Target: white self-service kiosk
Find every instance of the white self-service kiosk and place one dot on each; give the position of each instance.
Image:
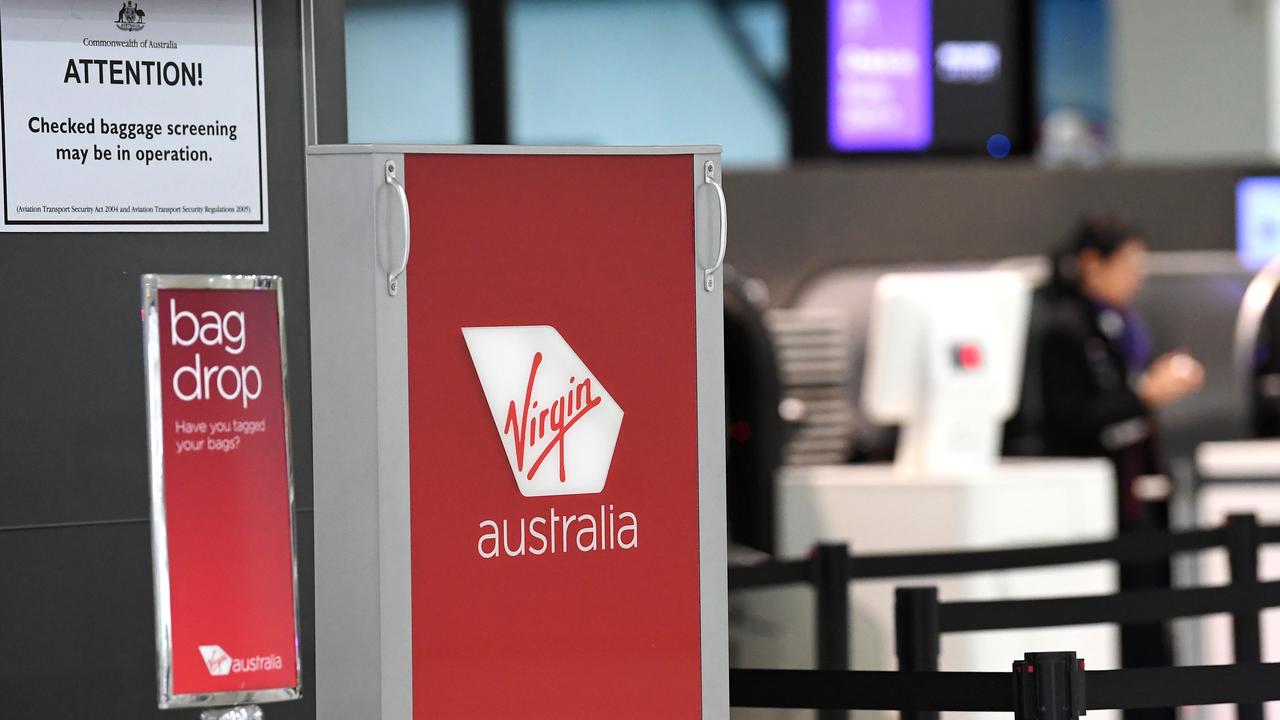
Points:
(945, 355)
(944, 363)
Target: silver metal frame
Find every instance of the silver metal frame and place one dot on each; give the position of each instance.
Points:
(151, 283)
(710, 239)
(360, 436)
(310, 105)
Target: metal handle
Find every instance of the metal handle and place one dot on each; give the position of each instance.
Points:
(709, 275)
(393, 277)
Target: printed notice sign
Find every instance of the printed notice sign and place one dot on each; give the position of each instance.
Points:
(143, 115)
(221, 489)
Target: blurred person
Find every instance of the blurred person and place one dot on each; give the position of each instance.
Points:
(1102, 385)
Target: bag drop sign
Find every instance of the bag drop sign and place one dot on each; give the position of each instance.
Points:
(141, 115)
(223, 535)
(224, 331)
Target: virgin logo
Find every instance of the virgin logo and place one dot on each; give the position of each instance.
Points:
(219, 663)
(555, 419)
(575, 404)
(216, 660)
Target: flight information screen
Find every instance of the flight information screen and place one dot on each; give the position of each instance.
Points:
(913, 76)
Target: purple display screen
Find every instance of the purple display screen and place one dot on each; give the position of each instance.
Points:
(1257, 221)
(879, 69)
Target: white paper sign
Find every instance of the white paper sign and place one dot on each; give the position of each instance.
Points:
(132, 115)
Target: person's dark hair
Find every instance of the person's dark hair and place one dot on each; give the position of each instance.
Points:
(1103, 235)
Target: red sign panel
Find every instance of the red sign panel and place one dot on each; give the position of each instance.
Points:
(222, 504)
(553, 437)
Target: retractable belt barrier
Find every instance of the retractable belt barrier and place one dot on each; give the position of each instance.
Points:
(919, 691)
(1130, 548)
(999, 692)
(1138, 606)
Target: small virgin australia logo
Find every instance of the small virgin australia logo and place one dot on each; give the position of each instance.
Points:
(131, 17)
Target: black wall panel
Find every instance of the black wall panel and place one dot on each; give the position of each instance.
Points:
(76, 610)
(78, 624)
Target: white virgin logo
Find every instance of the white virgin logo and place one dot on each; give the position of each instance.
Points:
(556, 421)
(216, 660)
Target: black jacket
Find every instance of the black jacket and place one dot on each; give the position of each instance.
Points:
(1090, 406)
(1091, 409)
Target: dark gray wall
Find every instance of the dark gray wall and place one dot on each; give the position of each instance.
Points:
(788, 225)
(76, 617)
(329, 17)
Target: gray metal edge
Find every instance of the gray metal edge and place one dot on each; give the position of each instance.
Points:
(712, 531)
(355, 665)
(371, 149)
(310, 110)
(394, 536)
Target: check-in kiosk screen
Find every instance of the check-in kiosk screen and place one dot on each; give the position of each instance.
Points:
(1257, 220)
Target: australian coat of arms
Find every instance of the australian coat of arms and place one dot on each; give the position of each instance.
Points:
(130, 17)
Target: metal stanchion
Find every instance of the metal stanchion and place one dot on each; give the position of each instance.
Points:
(1242, 549)
(831, 590)
(1049, 686)
(918, 635)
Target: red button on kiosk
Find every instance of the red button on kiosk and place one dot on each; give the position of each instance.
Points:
(518, 414)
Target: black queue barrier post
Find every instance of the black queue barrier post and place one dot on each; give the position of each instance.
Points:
(831, 591)
(1049, 686)
(918, 635)
(1242, 548)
